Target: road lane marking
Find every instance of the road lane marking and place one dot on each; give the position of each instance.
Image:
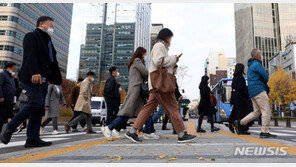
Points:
(275, 133)
(290, 149)
(46, 154)
(19, 143)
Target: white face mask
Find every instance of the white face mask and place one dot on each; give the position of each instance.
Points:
(120, 89)
(24, 91)
(92, 80)
(117, 74)
(50, 31)
(12, 73)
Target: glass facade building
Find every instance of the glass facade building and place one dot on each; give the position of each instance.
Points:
(266, 26)
(124, 27)
(17, 19)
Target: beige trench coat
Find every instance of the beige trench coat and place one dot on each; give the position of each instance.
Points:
(84, 98)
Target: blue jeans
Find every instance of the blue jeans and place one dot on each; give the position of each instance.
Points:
(158, 114)
(121, 120)
(149, 126)
(33, 110)
(112, 109)
(118, 122)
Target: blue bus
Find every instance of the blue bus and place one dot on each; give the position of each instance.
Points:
(222, 91)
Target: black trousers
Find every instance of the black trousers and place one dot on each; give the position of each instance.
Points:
(76, 114)
(200, 119)
(33, 111)
(112, 109)
(6, 111)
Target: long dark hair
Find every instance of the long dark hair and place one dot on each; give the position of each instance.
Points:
(239, 69)
(140, 51)
(204, 81)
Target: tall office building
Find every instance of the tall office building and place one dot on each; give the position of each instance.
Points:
(217, 66)
(17, 19)
(155, 28)
(266, 26)
(215, 61)
(124, 27)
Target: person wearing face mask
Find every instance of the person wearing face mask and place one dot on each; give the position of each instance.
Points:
(7, 92)
(83, 105)
(133, 102)
(39, 66)
(161, 59)
(112, 95)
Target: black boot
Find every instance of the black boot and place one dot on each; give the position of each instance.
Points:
(5, 135)
(238, 127)
(215, 129)
(199, 130)
(267, 135)
(37, 143)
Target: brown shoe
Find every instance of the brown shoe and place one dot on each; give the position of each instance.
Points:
(67, 128)
(90, 131)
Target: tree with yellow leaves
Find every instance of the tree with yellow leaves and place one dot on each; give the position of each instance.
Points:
(282, 88)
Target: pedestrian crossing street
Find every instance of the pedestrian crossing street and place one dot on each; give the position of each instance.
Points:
(18, 139)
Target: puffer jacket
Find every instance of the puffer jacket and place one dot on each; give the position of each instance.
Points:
(257, 78)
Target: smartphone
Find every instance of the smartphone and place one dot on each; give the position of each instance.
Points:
(180, 55)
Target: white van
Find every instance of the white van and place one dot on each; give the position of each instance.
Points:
(98, 110)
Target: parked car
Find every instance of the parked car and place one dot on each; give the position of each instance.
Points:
(98, 110)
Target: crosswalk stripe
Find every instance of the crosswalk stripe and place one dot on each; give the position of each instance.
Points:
(54, 152)
(19, 143)
(289, 131)
(275, 133)
(59, 135)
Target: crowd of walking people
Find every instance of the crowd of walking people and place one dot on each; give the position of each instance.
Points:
(40, 94)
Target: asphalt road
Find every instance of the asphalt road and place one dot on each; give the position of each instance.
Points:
(208, 147)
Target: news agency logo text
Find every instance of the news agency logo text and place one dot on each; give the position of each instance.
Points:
(263, 151)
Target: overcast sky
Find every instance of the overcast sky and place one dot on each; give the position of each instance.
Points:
(198, 28)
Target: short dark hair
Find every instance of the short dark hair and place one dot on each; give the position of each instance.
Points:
(90, 73)
(79, 80)
(111, 69)
(164, 34)
(9, 65)
(43, 19)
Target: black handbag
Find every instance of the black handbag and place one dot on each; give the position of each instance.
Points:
(144, 90)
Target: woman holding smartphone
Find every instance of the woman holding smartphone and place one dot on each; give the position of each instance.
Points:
(159, 56)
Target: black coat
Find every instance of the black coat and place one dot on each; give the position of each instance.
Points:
(36, 58)
(177, 92)
(205, 107)
(7, 86)
(242, 104)
(111, 90)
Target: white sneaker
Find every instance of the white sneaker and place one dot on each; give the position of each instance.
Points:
(116, 134)
(41, 131)
(151, 136)
(55, 132)
(106, 132)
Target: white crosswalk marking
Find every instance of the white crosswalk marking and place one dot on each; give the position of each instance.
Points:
(275, 133)
(289, 131)
(19, 143)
